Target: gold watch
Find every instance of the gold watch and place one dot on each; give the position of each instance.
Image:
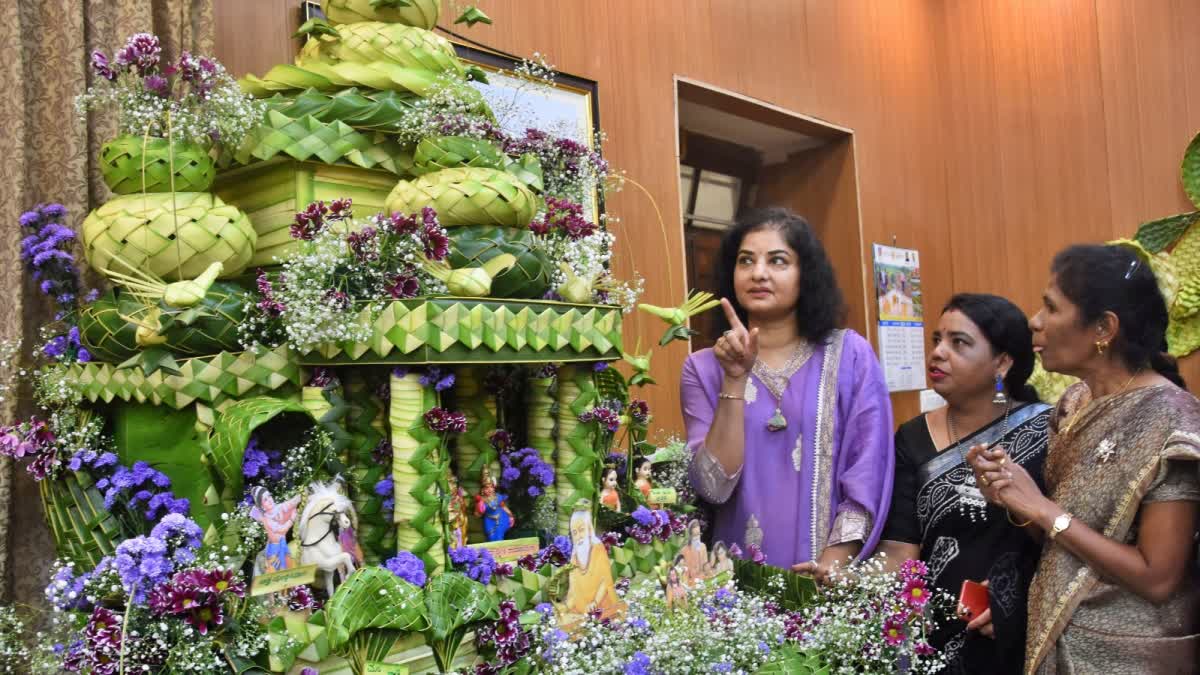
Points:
(1060, 525)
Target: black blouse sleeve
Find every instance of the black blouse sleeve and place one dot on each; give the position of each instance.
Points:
(902, 522)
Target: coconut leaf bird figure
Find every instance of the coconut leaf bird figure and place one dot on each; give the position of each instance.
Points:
(641, 366)
(582, 289)
(696, 303)
(470, 282)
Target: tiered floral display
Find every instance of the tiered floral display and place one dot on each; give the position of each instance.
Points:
(355, 339)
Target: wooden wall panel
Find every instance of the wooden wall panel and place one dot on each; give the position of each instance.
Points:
(987, 134)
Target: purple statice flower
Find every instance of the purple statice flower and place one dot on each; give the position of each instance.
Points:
(270, 304)
(142, 564)
(182, 536)
(524, 472)
(436, 377)
(141, 53)
(638, 665)
(440, 420)
(404, 286)
(477, 563)
(408, 567)
(261, 465)
(46, 253)
(101, 66)
(158, 85)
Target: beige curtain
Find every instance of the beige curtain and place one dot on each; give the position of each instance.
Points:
(46, 154)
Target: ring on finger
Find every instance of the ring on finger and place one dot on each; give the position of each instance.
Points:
(985, 480)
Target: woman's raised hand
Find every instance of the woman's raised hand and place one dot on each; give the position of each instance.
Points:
(737, 349)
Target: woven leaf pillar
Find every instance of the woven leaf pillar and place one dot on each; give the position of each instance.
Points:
(539, 423)
(473, 448)
(83, 529)
(366, 423)
(416, 469)
(576, 460)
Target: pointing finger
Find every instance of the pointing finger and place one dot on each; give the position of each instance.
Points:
(731, 316)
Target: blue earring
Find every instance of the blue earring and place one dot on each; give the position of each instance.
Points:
(1000, 398)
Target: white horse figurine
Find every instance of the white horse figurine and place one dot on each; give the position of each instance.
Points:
(317, 530)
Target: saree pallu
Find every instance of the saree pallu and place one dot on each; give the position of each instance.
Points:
(1102, 465)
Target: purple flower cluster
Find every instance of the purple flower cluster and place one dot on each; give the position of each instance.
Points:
(66, 589)
(141, 53)
(34, 441)
(317, 215)
(436, 377)
(500, 440)
(558, 553)
(638, 665)
(140, 488)
(46, 253)
(506, 636)
(142, 564)
(99, 653)
(301, 598)
(198, 596)
(362, 244)
(440, 420)
(323, 377)
(261, 465)
(639, 412)
(181, 535)
(603, 416)
(386, 488)
(651, 523)
(477, 563)
(408, 567)
(563, 217)
(522, 472)
(562, 159)
(67, 347)
(404, 286)
(269, 304)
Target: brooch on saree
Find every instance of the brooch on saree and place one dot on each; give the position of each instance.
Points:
(1106, 450)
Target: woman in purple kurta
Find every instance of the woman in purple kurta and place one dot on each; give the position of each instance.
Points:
(815, 462)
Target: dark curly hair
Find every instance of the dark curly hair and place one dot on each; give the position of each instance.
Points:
(820, 308)
(1099, 279)
(1006, 329)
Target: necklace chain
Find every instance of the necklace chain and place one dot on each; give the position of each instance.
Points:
(954, 440)
(1079, 413)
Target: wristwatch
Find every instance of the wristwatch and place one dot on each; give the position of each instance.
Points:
(1061, 523)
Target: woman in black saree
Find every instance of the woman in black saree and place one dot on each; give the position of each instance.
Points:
(981, 358)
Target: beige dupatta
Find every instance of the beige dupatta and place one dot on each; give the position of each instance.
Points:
(1100, 466)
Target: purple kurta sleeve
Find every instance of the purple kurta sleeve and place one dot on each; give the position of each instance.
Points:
(866, 456)
(707, 475)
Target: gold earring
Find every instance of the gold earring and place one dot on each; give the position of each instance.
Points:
(1101, 345)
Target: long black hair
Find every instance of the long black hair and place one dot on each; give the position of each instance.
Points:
(1099, 279)
(820, 308)
(1006, 329)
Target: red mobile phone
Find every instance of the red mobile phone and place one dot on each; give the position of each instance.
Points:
(973, 599)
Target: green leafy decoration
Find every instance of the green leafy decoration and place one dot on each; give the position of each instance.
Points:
(676, 333)
(393, 4)
(1190, 171)
(529, 169)
(1159, 235)
(790, 660)
(152, 360)
(373, 598)
(454, 603)
(316, 27)
(473, 15)
(798, 590)
(231, 432)
(611, 386)
(476, 74)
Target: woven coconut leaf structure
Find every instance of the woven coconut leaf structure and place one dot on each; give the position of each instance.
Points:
(468, 196)
(83, 529)
(448, 152)
(172, 235)
(368, 41)
(418, 468)
(528, 278)
(272, 192)
(479, 331)
(213, 381)
(332, 142)
(377, 110)
(132, 164)
(419, 13)
(103, 330)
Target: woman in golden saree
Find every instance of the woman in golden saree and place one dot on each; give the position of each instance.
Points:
(1116, 590)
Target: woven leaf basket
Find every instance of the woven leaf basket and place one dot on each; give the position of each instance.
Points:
(419, 13)
(448, 152)
(468, 196)
(133, 164)
(107, 336)
(173, 235)
(369, 41)
(84, 531)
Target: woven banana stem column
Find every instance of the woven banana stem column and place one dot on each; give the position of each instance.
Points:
(576, 460)
(84, 531)
(368, 428)
(539, 403)
(473, 448)
(416, 468)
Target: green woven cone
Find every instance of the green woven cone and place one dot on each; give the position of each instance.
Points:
(173, 235)
(222, 310)
(84, 531)
(576, 462)
(381, 110)
(308, 138)
(416, 470)
(106, 335)
(468, 196)
(132, 164)
(448, 152)
(528, 278)
(419, 13)
(369, 41)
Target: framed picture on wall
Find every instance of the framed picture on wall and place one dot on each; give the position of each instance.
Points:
(567, 107)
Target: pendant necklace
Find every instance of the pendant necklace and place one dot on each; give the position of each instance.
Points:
(971, 502)
(776, 380)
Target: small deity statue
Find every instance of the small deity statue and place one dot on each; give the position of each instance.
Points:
(642, 471)
(610, 496)
(457, 511)
(492, 506)
(277, 520)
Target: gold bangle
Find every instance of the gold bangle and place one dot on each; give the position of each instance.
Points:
(730, 397)
(1010, 519)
